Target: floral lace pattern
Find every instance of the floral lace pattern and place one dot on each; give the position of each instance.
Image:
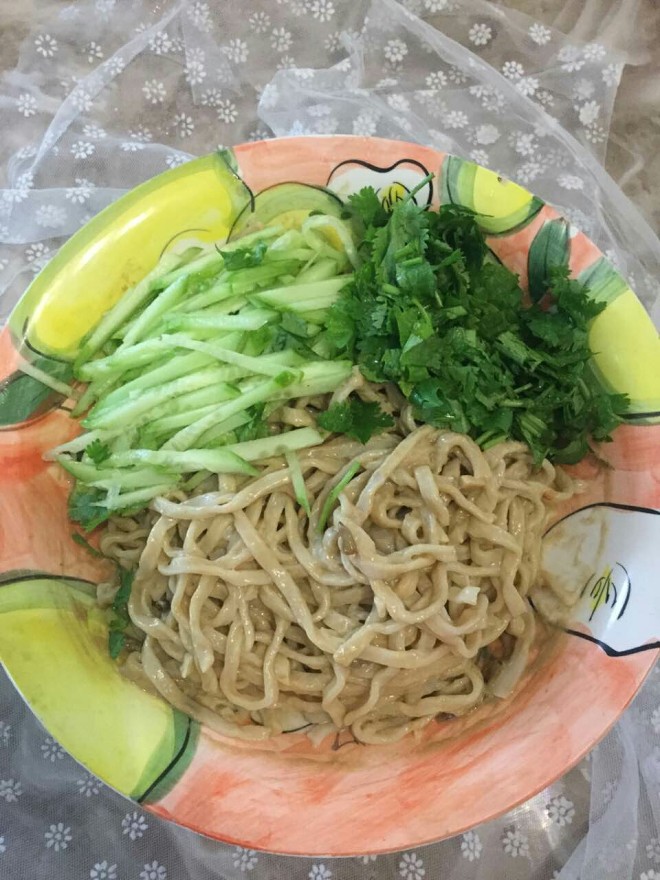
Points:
(109, 94)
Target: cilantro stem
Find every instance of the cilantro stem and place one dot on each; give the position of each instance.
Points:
(422, 183)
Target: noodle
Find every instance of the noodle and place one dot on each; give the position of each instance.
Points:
(408, 604)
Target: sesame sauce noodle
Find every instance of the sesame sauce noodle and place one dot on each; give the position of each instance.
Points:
(409, 604)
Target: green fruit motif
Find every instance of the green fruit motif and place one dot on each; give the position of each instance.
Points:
(603, 281)
(551, 248)
(502, 206)
(24, 397)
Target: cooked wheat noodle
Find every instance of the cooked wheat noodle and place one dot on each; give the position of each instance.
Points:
(408, 605)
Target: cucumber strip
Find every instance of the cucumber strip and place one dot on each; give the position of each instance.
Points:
(114, 365)
(268, 233)
(91, 394)
(310, 291)
(316, 317)
(212, 258)
(290, 240)
(136, 499)
(182, 406)
(110, 415)
(259, 393)
(316, 378)
(221, 306)
(124, 308)
(162, 372)
(298, 481)
(323, 247)
(106, 478)
(335, 493)
(303, 306)
(164, 302)
(318, 271)
(319, 378)
(300, 254)
(201, 321)
(278, 444)
(224, 429)
(164, 427)
(317, 223)
(167, 372)
(257, 365)
(50, 381)
(220, 291)
(73, 447)
(141, 354)
(231, 284)
(177, 368)
(196, 479)
(209, 261)
(217, 461)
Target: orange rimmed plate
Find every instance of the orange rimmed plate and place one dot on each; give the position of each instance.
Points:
(288, 795)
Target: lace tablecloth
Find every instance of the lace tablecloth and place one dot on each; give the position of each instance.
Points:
(108, 93)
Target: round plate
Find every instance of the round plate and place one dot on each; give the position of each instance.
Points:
(354, 799)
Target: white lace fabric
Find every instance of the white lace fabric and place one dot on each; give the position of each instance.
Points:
(110, 93)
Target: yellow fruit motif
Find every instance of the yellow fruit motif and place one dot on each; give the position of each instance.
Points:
(53, 643)
(502, 206)
(624, 327)
(119, 246)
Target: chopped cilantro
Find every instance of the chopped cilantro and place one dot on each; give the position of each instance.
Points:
(85, 508)
(244, 258)
(356, 418)
(366, 205)
(255, 428)
(120, 618)
(431, 309)
(98, 451)
(79, 539)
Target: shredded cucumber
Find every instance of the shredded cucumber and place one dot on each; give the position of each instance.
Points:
(298, 482)
(183, 370)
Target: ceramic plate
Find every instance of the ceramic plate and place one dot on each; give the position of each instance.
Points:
(354, 799)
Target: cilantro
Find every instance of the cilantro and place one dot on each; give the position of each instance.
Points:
(431, 309)
(244, 258)
(255, 428)
(116, 641)
(85, 507)
(294, 324)
(120, 618)
(356, 418)
(366, 206)
(79, 539)
(98, 451)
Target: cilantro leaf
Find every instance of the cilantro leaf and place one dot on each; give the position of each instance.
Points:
(85, 507)
(98, 451)
(116, 641)
(366, 205)
(79, 539)
(120, 602)
(356, 418)
(120, 618)
(244, 258)
(255, 428)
